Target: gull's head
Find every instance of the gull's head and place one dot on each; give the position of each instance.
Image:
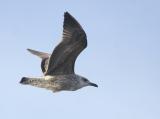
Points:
(86, 82)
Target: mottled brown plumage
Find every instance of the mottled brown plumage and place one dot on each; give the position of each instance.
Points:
(58, 68)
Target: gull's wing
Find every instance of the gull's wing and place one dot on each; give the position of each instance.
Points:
(39, 54)
(74, 40)
(43, 56)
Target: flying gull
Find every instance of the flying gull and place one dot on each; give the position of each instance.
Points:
(58, 67)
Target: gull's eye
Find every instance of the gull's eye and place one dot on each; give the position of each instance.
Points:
(85, 80)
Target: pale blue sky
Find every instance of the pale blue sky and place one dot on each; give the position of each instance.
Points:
(123, 58)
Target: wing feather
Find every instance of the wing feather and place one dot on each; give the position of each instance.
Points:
(74, 40)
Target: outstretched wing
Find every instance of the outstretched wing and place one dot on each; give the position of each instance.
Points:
(74, 40)
(44, 56)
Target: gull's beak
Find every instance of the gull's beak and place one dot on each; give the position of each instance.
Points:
(93, 84)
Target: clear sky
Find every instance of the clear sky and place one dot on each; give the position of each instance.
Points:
(123, 58)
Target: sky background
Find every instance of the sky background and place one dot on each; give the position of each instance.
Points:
(122, 57)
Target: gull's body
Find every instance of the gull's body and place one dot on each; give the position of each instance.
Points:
(58, 68)
(57, 83)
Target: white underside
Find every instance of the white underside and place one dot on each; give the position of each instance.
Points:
(48, 77)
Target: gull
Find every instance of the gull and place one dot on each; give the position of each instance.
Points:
(58, 67)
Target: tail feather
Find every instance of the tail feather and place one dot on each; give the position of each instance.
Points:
(24, 80)
(39, 54)
(37, 82)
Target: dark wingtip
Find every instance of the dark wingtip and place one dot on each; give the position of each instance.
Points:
(24, 80)
(70, 21)
(66, 13)
(30, 50)
(67, 16)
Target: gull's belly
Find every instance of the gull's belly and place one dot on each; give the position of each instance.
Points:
(61, 82)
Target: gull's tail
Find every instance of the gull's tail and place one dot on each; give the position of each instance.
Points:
(28, 80)
(25, 80)
(39, 54)
(37, 82)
